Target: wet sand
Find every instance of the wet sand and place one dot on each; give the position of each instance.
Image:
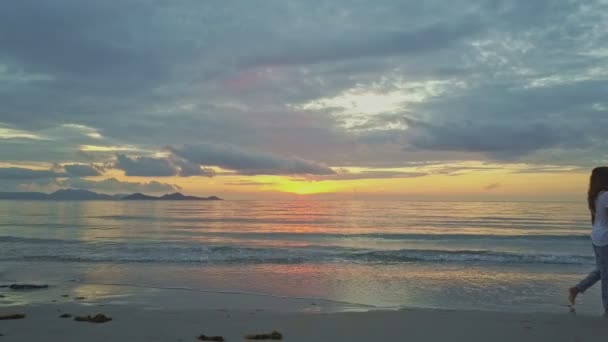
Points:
(133, 323)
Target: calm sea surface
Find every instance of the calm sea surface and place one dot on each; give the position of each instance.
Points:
(515, 256)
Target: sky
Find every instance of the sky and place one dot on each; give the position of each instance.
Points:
(327, 99)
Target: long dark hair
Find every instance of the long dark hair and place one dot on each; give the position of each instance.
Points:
(597, 184)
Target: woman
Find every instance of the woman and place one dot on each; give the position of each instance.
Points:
(598, 205)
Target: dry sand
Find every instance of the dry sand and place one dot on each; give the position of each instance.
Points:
(132, 323)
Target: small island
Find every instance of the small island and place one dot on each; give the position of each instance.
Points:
(86, 195)
(176, 196)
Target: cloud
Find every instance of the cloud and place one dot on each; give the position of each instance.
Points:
(248, 162)
(434, 36)
(526, 82)
(343, 174)
(113, 185)
(81, 170)
(38, 184)
(492, 186)
(10, 133)
(24, 179)
(187, 169)
(249, 183)
(160, 167)
(19, 173)
(553, 169)
(145, 166)
(504, 140)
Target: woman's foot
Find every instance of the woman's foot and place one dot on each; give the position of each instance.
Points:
(572, 293)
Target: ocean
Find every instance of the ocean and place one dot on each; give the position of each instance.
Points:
(505, 256)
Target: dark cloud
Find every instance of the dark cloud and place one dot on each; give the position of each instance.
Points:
(113, 185)
(501, 140)
(145, 166)
(24, 179)
(248, 162)
(81, 170)
(526, 82)
(435, 36)
(19, 173)
(160, 167)
(39, 184)
(187, 169)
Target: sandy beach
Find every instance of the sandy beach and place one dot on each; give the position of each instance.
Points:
(249, 314)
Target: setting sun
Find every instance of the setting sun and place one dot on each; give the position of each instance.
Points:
(308, 187)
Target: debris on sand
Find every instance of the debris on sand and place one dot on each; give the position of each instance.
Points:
(211, 338)
(65, 296)
(12, 316)
(80, 298)
(99, 318)
(25, 287)
(65, 315)
(2, 296)
(275, 335)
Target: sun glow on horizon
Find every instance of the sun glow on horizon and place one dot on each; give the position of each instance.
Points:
(451, 181)
(309, 187)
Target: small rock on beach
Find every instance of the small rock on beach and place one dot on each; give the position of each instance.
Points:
(99, 318)
(24, 287)
(12, 316)
(275, 335)
(211, 338)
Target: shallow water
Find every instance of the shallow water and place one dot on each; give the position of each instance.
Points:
(514, 256)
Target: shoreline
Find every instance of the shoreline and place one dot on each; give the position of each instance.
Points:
(136, 323)
(149, 297)
(150, 313)
(112, 284)
(152, 297)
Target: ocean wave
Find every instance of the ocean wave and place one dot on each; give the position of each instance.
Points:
(253, 220)
(18, 239)
(394, 236)
(527, 223)
(536, 237)
(465, 256)
(171, 252)
(367, 236)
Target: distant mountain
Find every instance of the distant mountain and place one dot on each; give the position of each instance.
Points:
(78, 195)
(139, 197)
(86, 195)
(169, 197)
